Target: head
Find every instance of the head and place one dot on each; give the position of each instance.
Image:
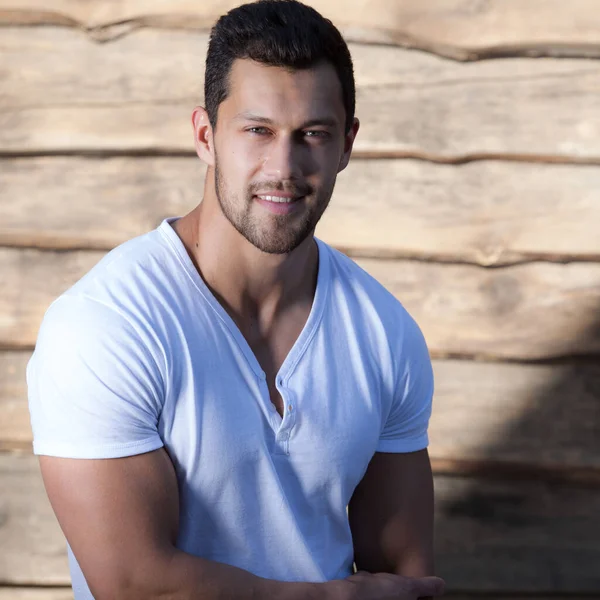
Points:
(279, 119)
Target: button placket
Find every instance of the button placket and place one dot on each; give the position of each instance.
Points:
(288, 423)
(272, 414)
(285, 423)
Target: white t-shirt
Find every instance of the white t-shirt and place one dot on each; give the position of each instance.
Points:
(139, 354)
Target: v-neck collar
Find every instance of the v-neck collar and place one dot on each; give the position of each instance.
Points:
(308, 331)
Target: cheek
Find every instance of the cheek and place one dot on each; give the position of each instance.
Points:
(236, 164)
(329, 164)
(245, 159)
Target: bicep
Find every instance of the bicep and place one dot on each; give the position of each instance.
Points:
(391, 515)
(120, 515)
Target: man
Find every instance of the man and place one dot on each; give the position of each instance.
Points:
(209, 399)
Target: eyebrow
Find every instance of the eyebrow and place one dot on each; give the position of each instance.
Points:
(323, 122)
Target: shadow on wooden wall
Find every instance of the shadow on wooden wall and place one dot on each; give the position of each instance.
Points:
(492, 243)
(528, 512)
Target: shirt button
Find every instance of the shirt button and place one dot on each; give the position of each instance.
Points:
(290, 407)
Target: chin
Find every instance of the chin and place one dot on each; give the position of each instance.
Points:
(277, 244)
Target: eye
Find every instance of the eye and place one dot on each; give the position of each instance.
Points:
(316, 133)
(258, 130)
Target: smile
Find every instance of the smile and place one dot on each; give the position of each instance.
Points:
(278, 199)
(279, 205)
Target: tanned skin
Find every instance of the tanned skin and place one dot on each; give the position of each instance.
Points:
(279, 131)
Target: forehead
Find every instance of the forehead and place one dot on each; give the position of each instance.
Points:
(282, 94)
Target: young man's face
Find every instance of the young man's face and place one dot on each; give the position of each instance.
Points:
(279, 144)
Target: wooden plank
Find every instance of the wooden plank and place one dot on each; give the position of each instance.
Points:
(527, 312)
(388, 208)
(31, 280)
(460, 29)
(544, 418)
(106, 202)
(541, 415)
(523, 536)
(136, 94)
(49, 593)
(532, 311)
(33, 546)
(15, 426)
(486, 213)
(498, 536)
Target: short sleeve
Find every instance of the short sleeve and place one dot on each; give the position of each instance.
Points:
(405, 429)
(95, 388)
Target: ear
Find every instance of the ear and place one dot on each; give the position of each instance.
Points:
(203, 136)
(348, 143)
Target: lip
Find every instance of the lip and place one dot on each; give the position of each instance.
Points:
(280, 208)
(278, 194)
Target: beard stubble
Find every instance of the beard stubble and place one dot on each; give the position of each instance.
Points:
(273, 234)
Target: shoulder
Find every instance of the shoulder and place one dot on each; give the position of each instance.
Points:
(124, 274)
(113, 306)
(369, 297)
(143, 281)
(96, 383)
(80, 333)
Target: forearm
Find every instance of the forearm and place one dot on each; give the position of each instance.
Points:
(193, 578)
(415, 564)
(410, 562)
(182, 576)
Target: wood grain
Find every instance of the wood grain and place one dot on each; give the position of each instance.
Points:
(15, 426)
(33, 546)
(50, 593)
(522, 536)
(498, 536)
(533, 311)
(540, 415)
(136, 95)
(31, 281)
(461, 29)
(487, 213)
(544, 418)
(526, 312)
(106, 201)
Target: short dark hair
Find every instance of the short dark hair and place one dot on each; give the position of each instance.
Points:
(280, 33)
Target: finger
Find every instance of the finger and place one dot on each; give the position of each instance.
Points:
(360, 575)
(429, 586)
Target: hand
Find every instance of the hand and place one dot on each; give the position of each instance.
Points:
(387, 586)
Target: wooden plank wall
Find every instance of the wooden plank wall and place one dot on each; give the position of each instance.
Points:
(474, 196)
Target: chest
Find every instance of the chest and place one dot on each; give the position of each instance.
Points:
(324, 412)
(272, 350)
(271, 359)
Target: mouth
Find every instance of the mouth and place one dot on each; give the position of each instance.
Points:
(279, 203)
(279, 198)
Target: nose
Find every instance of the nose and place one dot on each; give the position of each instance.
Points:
(283, 160)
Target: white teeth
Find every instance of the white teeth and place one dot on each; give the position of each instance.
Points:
(277, 199)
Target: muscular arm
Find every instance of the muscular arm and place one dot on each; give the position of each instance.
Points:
(120, 517)
(391, 515)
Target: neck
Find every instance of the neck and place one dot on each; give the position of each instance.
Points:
(256, 288)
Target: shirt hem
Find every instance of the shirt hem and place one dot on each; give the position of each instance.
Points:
(403, 445)
(112, 451)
